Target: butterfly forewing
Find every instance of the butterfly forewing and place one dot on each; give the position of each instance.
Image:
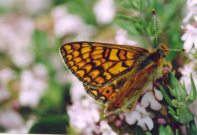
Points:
(99, 64)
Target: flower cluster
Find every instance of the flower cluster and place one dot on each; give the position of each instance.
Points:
(190, 26)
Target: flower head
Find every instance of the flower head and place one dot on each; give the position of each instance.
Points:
(190, 37)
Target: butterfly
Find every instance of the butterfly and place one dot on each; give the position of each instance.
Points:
(112, 74)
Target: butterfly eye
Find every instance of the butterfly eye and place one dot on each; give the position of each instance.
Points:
(161, 53)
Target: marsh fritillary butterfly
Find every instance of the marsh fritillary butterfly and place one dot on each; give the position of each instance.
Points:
(112, 74)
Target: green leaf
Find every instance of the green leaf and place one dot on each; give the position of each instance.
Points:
(185, 116)
(83, 8)
(148, 133)
(126, 3)
(173, 114)
(166, 97)
(127, 24)
(177, 132)
(139, 131)
(55, 99)
(165, 130)
(178, 104)
(193, 93)
(191, 128)
(50, 125)
(177, 89)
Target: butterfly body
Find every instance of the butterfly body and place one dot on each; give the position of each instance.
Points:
(112, 74)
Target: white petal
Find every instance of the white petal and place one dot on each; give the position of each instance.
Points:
(158, 95)
(132, 117)
(10, 119)
(149, 99)
(106, 129)
(144, 102)
(188, 43)
(184, 37)
(142, 125)
(142, 110)
(148, 122)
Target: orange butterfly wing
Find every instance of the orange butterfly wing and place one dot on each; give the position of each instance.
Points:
(132, 88)
(124, 92)
(106, 93)
(99, 64)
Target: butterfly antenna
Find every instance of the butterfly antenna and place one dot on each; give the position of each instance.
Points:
(155, 26)
(177, 50)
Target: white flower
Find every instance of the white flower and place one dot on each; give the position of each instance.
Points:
(24, 129)
(83, 106)
(65, 23)
(78, 91)
(105, 11)
(10, 119)
(33, 84)
(141, 117)
(190, 37)
(83, 116)
(186, 70)
(191, 10)
(15, 36)
(122, 38)
(149, 99)
(106, 129)
(27, 6)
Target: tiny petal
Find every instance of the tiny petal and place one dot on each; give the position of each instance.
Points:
(118, 123)
(142, 125)
(106, 129)
(158, 95)
(144, 102)
(161, 121)
(132, 117)
(142, 110)
(146, 122)
(149, 98)
(189, 37)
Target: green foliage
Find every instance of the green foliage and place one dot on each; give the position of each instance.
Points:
(59, 2)
(83, 8)
(179, 100)
(162, 131)
(57, 96)
(165, 130)
(137, 19)
(191, 128)
(50, 125)
(139, 131)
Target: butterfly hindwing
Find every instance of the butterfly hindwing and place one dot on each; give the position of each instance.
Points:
(128, 95)
(106, 93)
(99, 64)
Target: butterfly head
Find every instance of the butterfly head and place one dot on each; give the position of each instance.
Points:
(162, 51)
